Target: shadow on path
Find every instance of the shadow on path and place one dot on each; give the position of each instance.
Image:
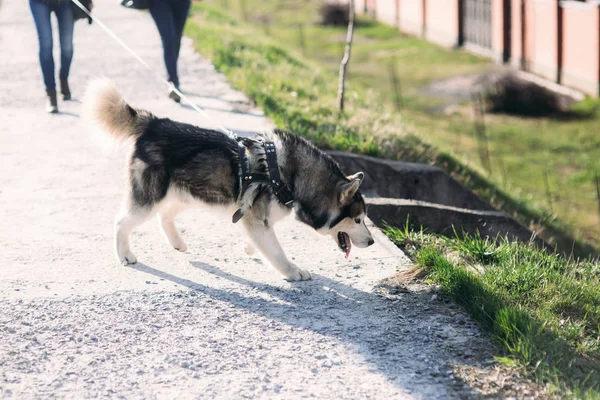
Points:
(402, 343)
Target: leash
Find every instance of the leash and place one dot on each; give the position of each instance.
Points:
(156, 75)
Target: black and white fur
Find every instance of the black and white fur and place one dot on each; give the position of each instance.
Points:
(173, 166)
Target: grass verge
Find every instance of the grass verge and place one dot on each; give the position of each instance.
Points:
(296, 86)
(543, 310)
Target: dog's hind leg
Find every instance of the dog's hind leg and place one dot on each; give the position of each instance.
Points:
(166, 217)
(266, 242)
(125, 222)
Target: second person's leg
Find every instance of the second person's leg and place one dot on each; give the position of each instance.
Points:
(162, 14)
(181, 9)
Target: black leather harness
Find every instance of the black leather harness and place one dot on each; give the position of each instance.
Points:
(280, 190)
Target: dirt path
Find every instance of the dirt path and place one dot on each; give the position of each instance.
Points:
(210, 323)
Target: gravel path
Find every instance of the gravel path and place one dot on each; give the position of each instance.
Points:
(210, 323)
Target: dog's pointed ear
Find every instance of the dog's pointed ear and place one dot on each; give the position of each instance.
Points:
(349, 189)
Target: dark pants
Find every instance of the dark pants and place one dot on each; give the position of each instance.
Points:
(170, 16)
(41, 16)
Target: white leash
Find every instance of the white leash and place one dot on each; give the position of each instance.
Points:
(156, 75)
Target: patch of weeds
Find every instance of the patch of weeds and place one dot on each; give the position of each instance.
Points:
(587, 108)
(407, 239)
(479, 248)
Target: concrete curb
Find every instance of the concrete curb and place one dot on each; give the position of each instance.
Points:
(428, 197)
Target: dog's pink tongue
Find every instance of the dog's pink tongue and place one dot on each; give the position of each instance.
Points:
(348, 245)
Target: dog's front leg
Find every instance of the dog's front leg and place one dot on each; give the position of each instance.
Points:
(249, 248)
(265, 241)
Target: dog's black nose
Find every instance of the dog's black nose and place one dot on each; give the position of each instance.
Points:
(371, 241)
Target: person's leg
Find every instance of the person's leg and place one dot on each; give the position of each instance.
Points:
(41, 17)
(181, 9)
(66, 22)
(162, 14)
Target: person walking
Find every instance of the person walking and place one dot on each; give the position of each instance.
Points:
(170, 17)
(41, 11)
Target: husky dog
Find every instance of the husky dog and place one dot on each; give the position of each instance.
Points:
(173, 166)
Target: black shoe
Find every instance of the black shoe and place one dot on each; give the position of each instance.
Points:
(173, 95)
(52, 103)
(64, 89)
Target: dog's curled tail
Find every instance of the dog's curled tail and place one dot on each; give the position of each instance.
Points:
(104, 106)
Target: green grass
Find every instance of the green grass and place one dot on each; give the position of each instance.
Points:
(481, 249)
(543, 310)
(296, 86)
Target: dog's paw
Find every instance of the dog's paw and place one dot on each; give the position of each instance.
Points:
(298, 274)
(128, 259)
(180, 246)
(249, 249)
